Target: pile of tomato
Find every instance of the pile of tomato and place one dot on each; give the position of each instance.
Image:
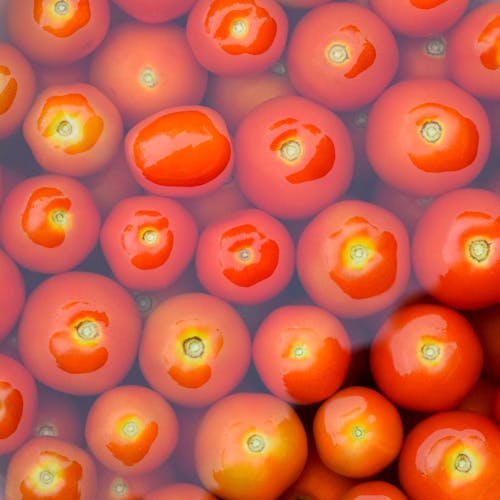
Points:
(249, 249)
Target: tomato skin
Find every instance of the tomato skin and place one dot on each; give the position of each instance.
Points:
(180, 490)
(72, 469)
(80, 320)
(155, 11)
(374, 490)
(496, 408)
(464, 227)
(453, 152)
(437, 448)
(426, 357)
(481, 398)
(250, 445)
(12, 294)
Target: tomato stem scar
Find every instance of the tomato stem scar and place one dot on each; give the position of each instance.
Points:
(338, 53)
(256, 443)
(87, 330)
(144, 303)
(430, 352)
(299, 351)
(130, 429)
(479, 250)
(435, 47)
(46, 430)
(358, 254)
(239, 28)
(244, 254)
(58, 217)
(64, 128)
(358, 432)
(61, 7)
(193, 347)
(431, 131)
(46, 477)
(463, 463)
(148, 77)
(278, 69)
(150, 237)
(360, 119)
(119, 487)
(291, 150)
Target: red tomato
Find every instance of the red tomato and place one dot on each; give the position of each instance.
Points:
(73, 129)
(341, 55)
(57, 32)
(185, 491)
(297, 148)
(358, 432)
(237, 37)
(481, 398)
(46, 468)
(195, 348)
(426, 357)
(12, 294)
(437, 137)
(180, 151)
(49, 223)
(17, 88)
(148, 241)
(451, 455)
(456, 249)
(301, 353)
(144, 68)
(245, 257)
(72, 330)
(48, 76)
(420, 18)
(374, 490)
(131, 429)
(353, 258)
(18, 404)
(155, 11)
(301, 4)
(496, 408)
(250, 446)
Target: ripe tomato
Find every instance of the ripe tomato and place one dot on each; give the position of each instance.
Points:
(195, 348)
(179, 490)
(131, 429)
(341, 55)
(48, 467)
(353, 258)
(451, 455)
(426, 357)
(237, 37)
(456, 249)
(245, 257)
(496, 408)
(301, 353)
(18, 403)
(358, 432)
(180, 151)
(374, 490)
(143, 69)
(481, 398)
(436, 139)
(73, 129)
(250, 446)
(79, 333)
(17, 88)
(148, 241)
(297, 148)
(12, 294)
(49, 223)
(155, 11)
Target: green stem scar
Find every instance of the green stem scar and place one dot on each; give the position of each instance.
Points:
(130, 429)
(193, 347)
(338, 54)
(46, 477)
(256, 443)
(479, 250)
(431, 131)
(291, 150)
(430, 352)
(463, 463)
(64, 129)
(61, 8)
(87, 330)
(58, 217)
(148, 78)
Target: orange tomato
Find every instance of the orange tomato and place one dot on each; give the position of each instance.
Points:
(250, 446)
(155, 11)
(451, 455)
(179, 490)
(12, 294)
(374, 490)
(358, 432)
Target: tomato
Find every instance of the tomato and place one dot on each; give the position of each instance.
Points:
(237, 37)
(250, 445)
(49, 223)
(451, 455)
(245, 257)
(456, 249)
(426, 137)
(426, 357)
(301, 353)
(57, 32)
(374, 490)
(18, 404)
(71, 73)
(496, 408)
(50, 468)
(195, 348)
(301, 4)
(481, 398)
(79, 333)
(353, 258)
(17, 89)
(297, 148)
(179, 490)
(358, 432)
(180, 151)
(73, 129)
(148, 241)
(146, 68)
(155, 11)
(474, 51)
(12, 294)
(341, 55)
(420, 18)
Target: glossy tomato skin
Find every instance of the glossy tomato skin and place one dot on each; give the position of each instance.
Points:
(79, 333)
(456, 249)
(496, 408)
(451, 455)
(379, 490)
(50, 466)
(427, 137)
(180, 490)
(245, 257)
(426, 357)
(295, 147)
(161, 156)
(353, 258)
(250, 445)
(341, 55)
(148, 241)
(155, 11)
(12, 294)
(237, 37)
(18, 400)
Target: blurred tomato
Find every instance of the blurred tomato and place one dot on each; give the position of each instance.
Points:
(374, 490)
(71, 73)
(481, 398)
(12, 294)
(185, 491)
(155, 11)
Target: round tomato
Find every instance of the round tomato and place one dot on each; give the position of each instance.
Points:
(155, 11)
(481, 398)
(374, 490)
(250, 446)
(179, 490)
(12, 294)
